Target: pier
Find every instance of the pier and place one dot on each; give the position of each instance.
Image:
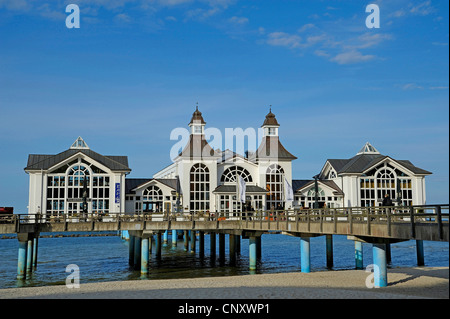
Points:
(378, 226)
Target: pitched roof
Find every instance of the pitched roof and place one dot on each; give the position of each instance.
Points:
(44, 162)
(197, 146)
(307, 183)
(132, 183)
(265, 151)
(360, 163)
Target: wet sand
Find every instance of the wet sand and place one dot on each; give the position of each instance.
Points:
(420, 282)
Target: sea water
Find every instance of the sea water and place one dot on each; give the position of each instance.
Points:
(106, 259)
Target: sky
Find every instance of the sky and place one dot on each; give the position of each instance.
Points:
(135, 69)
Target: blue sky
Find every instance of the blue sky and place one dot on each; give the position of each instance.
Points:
(135, 69)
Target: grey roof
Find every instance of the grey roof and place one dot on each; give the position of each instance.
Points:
(133, 183)
(232, 189)
(44, 162)
(299, 183)
(308, 183)
(197, 146)
(361, 162)
(264, 150)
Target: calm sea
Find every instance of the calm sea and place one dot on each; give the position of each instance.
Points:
(106, 259)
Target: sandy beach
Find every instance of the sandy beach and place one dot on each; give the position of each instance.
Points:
(420, 282)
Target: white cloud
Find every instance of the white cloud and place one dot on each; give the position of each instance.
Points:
(423, 8)
(238, 20)
(351, 57)
(284, 39)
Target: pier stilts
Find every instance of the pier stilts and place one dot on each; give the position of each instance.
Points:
(29, 267)
(131, 250)
(158, 245)
(144, 255)
(166, 238)
(35, 251)
(137, 252)
(379, 260)
(186, 240)
(358, 255)
(193, 241)
(252, 253)
(221, 248)
(232, 249)
(420, 253)
(201, 244)
(22, 259)
(258, 247)
(212, 246)
(174, 238)
(329, 244)
(305, 258)
(238, 244)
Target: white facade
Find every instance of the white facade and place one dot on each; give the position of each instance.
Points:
(202, 179)
(366, 178)
(57, 182)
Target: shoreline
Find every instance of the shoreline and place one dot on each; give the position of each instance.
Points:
(415, 282)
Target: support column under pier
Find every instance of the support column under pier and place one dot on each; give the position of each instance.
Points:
(201, 244)
(27, 254)
(329, 244)
(158, 245)
(221, 248)
(35, 251)
(29, 268)
(22, 259)
(358, 255)
(137, 252)
(144, 255)
(232, 248)
(131, 250)
(420, 253)
(186, 240)
(380, 269)
(252, 253)
(192, 241)
(174, 238)
(305, 256)
(212, 244)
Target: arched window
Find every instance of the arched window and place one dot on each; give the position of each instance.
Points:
(199, 188)
(230, 175)
(152, 194)
(385, 183)
(65, 187)
(383, 180)
(274, 186)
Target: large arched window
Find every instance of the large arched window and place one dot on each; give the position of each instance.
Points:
(199, 188)
(274, 186)
(385, 179)
(65, 187)
(229, 175)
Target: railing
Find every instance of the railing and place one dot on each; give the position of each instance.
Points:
(424, 214)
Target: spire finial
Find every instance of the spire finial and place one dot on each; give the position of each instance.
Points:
(270, 108)
(196, 106)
